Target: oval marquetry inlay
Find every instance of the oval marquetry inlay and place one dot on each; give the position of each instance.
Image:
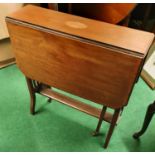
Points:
(75, 24)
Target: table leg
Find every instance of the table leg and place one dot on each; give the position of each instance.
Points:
(96, 132)
(112, 126)
(147, 120)
(32, 95)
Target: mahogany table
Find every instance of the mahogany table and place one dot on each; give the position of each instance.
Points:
(94, 60)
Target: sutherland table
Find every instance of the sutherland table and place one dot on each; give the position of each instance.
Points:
(94, 60)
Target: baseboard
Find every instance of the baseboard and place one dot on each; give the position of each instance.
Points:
(7, 62)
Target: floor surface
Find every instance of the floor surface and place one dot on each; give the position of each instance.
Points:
(57, 127)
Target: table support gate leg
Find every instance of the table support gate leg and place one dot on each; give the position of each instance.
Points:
(32, 95)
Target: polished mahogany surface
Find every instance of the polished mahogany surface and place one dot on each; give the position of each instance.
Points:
(91, 59)
(113, 35)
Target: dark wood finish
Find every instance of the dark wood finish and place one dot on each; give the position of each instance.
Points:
(98, 31)
(107, 12)
(70, 8)
(149, 114)
(32, 95)
(53, 6)
(111, 13)
(91, 79)
(77, 52)
(94, 60)
(112, 126)
(103, 112)
(76, 104)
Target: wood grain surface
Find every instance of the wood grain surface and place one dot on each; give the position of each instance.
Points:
(107, 12)
(90, 70)
(113, 35)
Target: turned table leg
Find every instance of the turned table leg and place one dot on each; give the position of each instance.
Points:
(112, 126)
(96, 132)
(147, 120)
